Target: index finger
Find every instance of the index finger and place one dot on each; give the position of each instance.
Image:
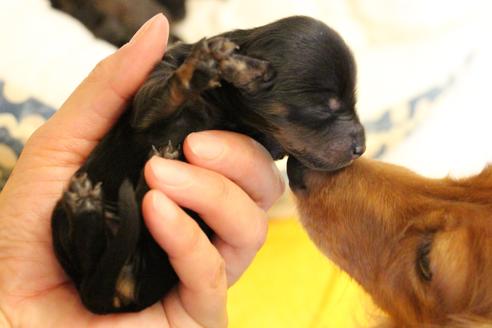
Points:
(240, 159)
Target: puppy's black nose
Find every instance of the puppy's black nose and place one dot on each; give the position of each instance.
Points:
(358, 141)
(357, 151)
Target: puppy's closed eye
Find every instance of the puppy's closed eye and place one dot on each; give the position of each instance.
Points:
(423, 261)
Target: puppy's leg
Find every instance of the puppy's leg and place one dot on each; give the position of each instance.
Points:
(93, 243)
(112, 286)
(168, 89)
(78, 226)
(152, 276)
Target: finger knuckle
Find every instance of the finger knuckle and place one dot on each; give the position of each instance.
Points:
(191, 243)
(101, 70)
(275, 189)
(218, 278)
(261, 231)
(222, 189)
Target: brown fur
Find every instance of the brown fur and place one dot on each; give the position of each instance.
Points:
(374, 219)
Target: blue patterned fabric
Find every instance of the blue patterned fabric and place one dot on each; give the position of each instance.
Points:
(15, 125)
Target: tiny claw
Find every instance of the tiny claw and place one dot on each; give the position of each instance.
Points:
(215, 84)
(97, 190)
(86, 183)
(155, 151)
(170, 152)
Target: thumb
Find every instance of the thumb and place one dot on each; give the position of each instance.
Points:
(99, 100)
(63, 143)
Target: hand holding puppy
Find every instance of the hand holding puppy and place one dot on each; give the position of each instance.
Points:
(217, 183)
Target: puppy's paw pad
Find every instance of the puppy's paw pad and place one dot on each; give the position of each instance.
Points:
(200, 70)
(222, 48)
(168, 151)
(82, 195)
(247, 73)
(206, 75)
(200, 50)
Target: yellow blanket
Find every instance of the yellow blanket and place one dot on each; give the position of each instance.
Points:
(291, 284)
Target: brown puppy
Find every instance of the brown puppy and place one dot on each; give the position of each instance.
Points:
(422, 248)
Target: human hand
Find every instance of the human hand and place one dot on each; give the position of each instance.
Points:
(230, 191)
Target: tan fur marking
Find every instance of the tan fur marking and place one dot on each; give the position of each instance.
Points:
(116, 302)
(125, 285)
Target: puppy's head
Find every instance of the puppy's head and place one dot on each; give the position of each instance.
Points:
(308, 106)
(420, 247)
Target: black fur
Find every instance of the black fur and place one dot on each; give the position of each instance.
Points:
(289, 85)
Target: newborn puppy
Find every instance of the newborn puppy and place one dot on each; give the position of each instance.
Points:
(289, 85)
(422, 248)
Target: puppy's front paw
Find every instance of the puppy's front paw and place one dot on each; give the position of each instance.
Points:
(200, 70)
(247, 73)
(82, 196)
(221, 48)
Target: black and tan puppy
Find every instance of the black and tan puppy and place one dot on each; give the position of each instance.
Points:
(289, 85)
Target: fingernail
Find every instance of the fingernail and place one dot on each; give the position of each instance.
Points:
(146, 27)
(169, 173)
(205, 145)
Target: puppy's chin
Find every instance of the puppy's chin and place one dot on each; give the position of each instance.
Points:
(329, 164)
(298, 173)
